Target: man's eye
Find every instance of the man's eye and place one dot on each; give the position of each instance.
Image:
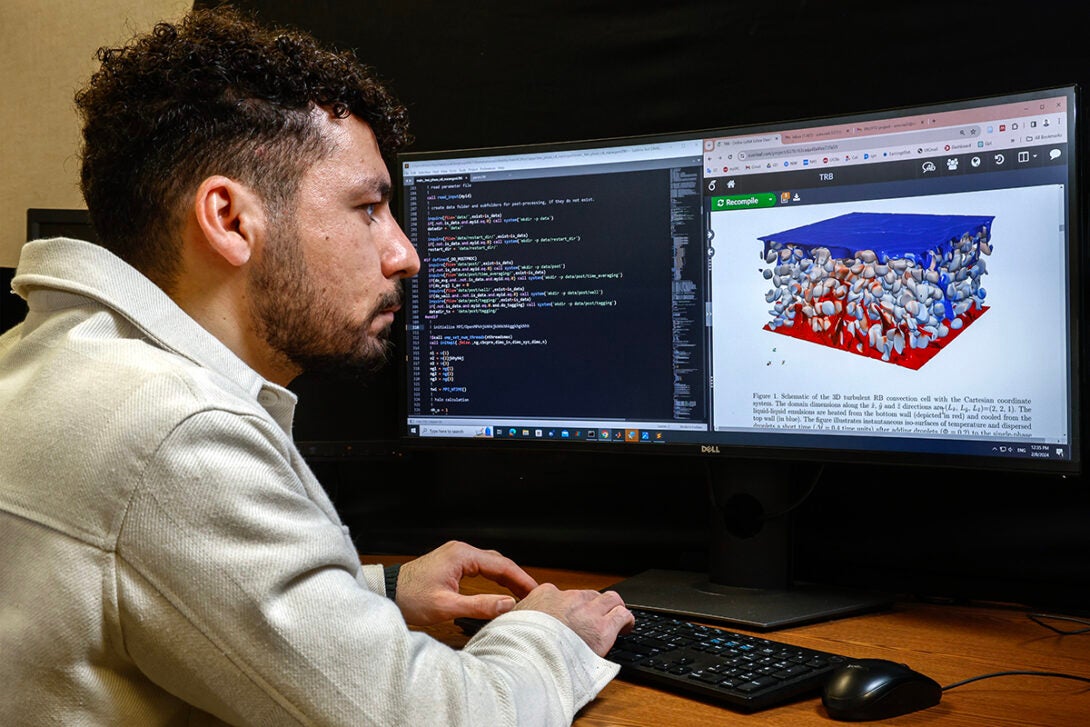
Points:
(370, 210)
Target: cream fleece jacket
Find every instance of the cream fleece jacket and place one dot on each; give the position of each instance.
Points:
(167, 557)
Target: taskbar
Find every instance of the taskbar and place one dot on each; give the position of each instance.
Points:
(724, 441)
(543, 432)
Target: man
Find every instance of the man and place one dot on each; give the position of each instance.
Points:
(166, 556)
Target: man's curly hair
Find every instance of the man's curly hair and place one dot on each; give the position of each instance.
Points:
(216, 93)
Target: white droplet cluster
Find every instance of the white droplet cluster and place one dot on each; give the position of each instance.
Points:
(886, 304)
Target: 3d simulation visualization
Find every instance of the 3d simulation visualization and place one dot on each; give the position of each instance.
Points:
(894, 287)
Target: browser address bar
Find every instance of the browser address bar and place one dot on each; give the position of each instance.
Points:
(960, 133)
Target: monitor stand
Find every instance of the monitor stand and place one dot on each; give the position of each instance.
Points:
(693, 595)
(749, 582)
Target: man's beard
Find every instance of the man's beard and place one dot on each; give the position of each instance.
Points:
(301, 324)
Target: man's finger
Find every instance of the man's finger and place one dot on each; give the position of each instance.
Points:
(506, 572)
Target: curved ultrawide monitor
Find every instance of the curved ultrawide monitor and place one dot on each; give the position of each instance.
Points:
(895, 286)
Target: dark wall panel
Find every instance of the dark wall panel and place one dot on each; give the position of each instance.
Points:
(492, 72)
(499, 73)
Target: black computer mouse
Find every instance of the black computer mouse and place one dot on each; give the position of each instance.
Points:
(867, 689)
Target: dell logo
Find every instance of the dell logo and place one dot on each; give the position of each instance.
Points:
(709, 449)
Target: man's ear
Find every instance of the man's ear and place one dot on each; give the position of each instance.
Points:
(232, 218)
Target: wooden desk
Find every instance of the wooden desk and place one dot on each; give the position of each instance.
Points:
(948, 643)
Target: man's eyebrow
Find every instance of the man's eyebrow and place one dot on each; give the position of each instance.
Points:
(374, 185)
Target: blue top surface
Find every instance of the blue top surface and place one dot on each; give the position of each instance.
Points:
(887, 234)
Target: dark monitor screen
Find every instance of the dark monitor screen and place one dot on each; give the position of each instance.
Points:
(890, 288)
(41, 222)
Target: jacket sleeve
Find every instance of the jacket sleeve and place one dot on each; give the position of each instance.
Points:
(239, 591)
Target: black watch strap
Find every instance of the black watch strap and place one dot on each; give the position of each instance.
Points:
(391, 572)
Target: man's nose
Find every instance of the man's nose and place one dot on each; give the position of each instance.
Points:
(399, 257)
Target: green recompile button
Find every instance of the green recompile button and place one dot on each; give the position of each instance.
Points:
(743, 201)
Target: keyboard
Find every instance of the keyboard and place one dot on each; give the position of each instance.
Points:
(747, 673)
(739, 671)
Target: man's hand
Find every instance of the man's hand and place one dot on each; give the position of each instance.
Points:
(596, 617)
(427, 587)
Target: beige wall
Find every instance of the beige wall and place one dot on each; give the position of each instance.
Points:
(47, 50)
